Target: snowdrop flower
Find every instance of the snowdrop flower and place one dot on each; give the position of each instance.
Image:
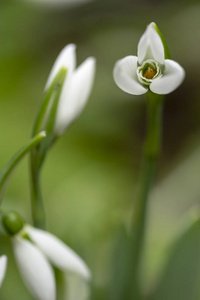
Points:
(3, 265)
(35, 250)
(150, 70)
(76, 88)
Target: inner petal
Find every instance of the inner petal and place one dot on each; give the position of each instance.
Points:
(148, 71)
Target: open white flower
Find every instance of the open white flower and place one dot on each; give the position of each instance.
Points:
(76, 88)
(34, 250)
(3, 265)
(150, 70)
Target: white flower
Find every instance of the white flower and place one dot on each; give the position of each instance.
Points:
(150, 70)
(76, 88)
(34, 249)
(3, 265)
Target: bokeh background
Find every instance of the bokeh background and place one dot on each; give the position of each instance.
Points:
(90, 176)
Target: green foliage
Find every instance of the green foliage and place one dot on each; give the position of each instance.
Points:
(121, 263)
(181, 277)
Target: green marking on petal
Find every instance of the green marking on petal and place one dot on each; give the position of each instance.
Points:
(25, 236)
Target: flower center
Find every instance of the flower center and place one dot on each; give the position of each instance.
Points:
(148, 71)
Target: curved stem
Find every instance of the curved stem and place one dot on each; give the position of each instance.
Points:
(5, 175)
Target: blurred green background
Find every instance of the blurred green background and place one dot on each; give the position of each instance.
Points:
(90, 176)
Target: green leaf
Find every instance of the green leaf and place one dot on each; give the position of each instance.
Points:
(124, 281)
(120, 265)
(181, 277)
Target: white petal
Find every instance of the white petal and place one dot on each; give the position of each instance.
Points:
(67, 59)
(156, 45)
(150, 46)
(173, 76)
(3, 265)
(143, 47)
(57, 252)
(125, 76)
(75, 94)
(35, 269)
(75, 288)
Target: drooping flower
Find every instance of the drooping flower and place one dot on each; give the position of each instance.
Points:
(35, 250)
(3, 265)
(150, 69)
(76, 88)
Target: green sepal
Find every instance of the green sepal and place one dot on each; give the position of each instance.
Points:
(166, 48)
(181, 275)
(12, 223)
(7, 171)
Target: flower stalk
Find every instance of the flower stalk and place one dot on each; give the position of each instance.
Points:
(45, 119)
(152, 149)
(38, 211)
(154, 123)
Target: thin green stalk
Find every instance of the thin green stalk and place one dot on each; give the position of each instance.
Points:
(46, 118)
(38, 211)
(36, 164)
(7, 171)
(151, 154)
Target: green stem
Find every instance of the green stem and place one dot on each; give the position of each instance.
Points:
(5, 175)
(38, 211)
(151, 154)
(46, 118)
(36, 163)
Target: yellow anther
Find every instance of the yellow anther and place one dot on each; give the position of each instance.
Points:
(149, 73)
